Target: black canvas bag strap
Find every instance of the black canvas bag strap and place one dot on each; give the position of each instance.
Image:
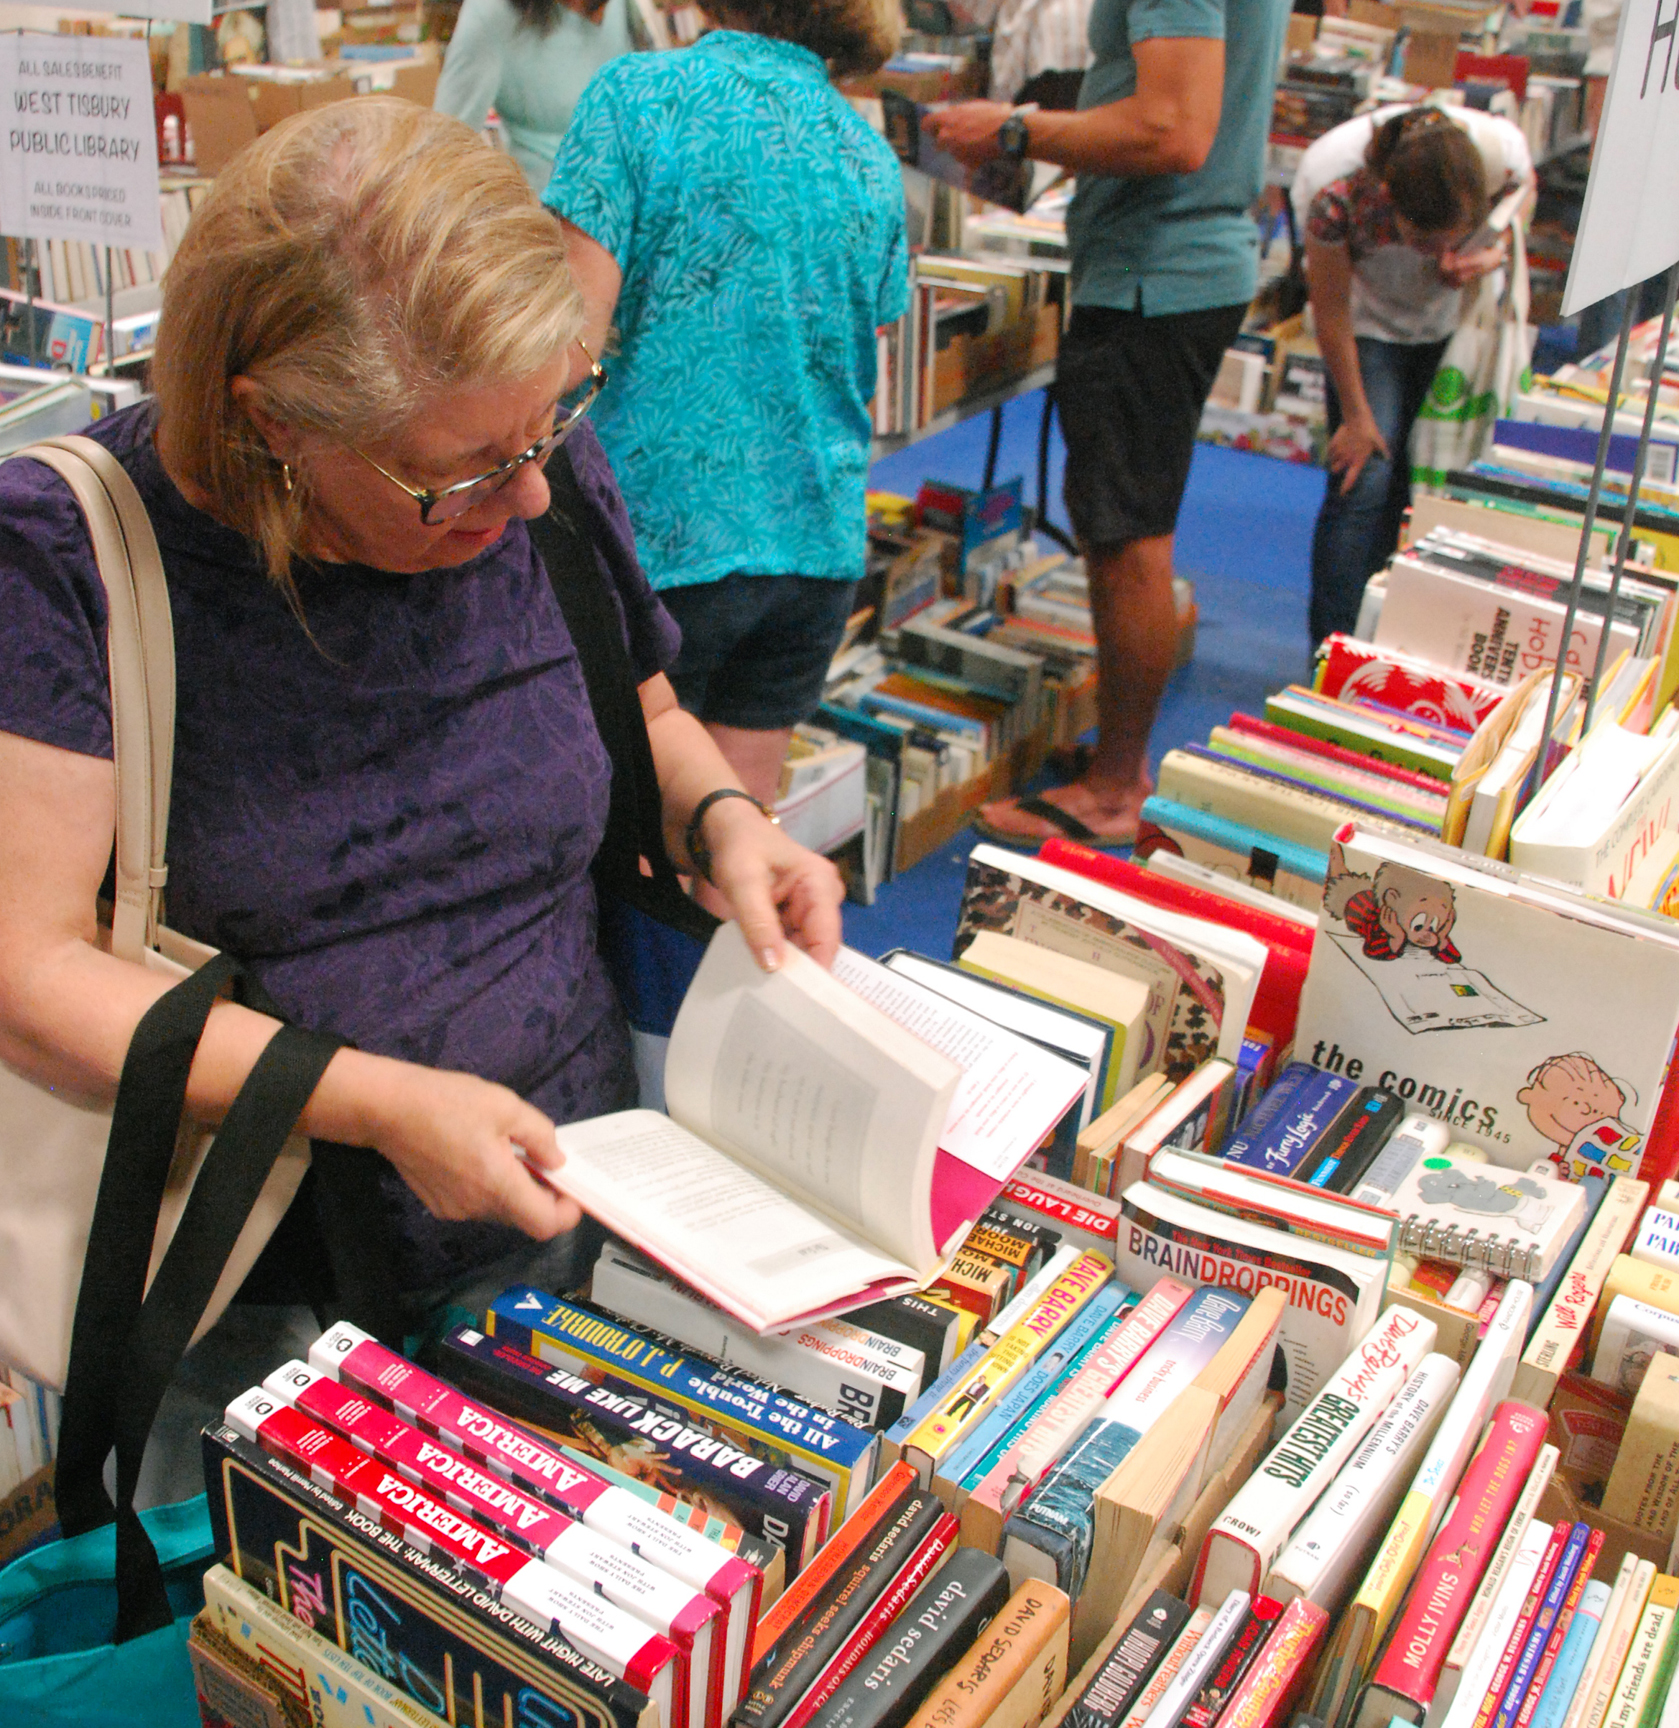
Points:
(567, 536)
(144, 1125)
(256, 1127)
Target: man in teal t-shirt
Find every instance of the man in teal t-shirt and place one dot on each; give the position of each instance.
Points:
(1169, 146)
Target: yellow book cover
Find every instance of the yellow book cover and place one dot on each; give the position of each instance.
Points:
(1005, 1362)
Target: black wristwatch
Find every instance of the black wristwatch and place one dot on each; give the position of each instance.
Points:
(1012, 136)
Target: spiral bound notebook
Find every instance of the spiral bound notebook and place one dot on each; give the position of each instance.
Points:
(1512, 1223)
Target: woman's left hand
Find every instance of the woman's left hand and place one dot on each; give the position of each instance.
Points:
(777, 889)
(1459, 269)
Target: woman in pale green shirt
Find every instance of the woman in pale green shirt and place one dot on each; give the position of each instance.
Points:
(530, 60)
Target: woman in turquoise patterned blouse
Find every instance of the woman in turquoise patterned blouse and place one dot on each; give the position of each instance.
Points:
(744, 228)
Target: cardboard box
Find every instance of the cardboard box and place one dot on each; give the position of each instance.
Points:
(1431, 58)
(221, 117)
(27, 1515)
(948, 814)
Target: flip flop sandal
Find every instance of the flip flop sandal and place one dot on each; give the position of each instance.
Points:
(1067, 825)
(1070, 761)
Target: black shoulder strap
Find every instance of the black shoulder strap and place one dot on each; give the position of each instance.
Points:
(567, 537)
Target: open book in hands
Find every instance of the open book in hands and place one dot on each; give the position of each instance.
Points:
(831, 1137)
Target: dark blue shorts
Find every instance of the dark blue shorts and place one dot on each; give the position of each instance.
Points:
(755, 649)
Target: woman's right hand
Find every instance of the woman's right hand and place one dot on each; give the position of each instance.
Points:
(1354, 443)
(464, 1145)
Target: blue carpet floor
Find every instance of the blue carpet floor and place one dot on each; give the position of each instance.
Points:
(1243, 539)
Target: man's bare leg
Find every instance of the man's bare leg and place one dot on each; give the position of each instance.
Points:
(756, 758)
(1136, 625)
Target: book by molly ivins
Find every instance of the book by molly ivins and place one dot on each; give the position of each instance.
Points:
(1531, 1021)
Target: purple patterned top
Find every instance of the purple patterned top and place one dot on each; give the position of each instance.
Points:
(392, 824)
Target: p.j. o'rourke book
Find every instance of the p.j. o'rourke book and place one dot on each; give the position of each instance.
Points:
(1202, 976)
(527, 1587)
(756, 1418)
(1405, 1678)
(688, 1618)
(1534, 1023)
(411, 1618)
(1252, 1529)
(831, 1136)
(347, 1354)
(780, 1505)
(939, 1432)
(1050, 1535)
(1333, 1295)
(944, 1620)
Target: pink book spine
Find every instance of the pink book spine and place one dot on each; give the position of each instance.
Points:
(1451, 1571)
(1524, 1623)
(1553, 1644)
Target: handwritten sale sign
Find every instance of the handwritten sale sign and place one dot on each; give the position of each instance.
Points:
(1629, 227)
(78, 141)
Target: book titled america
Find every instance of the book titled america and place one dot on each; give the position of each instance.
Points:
(1458, 984)
(830, 1136)
(412, 1619)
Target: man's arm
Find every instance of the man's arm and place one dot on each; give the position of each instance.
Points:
(1166, 127)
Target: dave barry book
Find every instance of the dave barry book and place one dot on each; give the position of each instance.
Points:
(1534, 1023)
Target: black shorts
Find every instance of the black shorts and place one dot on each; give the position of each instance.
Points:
(1130, 391)
(755, 649)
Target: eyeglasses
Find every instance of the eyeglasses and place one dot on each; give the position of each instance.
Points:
(452, 501)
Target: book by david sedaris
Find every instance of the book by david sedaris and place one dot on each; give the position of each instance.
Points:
(1532, 1021)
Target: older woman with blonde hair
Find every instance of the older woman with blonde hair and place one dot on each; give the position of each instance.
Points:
(389, 786)
(744, 228)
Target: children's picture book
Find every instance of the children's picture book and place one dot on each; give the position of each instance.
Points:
(1533, 1023)
(831, 1136)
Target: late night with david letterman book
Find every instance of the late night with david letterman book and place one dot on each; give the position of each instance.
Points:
(1535, 1022)
(831, 1136)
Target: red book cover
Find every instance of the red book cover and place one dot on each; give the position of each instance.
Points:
(1354, 671)
(1271, 1686)
(1451, 1572)
(1276, 1000)
(1266, 731)
(1553, 1644)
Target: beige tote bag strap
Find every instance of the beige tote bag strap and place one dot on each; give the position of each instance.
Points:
(142, 656)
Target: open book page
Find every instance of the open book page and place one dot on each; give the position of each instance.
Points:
(1011, 1093)
(710, 1219)
(816, 1089)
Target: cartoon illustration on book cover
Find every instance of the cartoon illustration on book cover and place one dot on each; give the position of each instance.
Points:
(1577, 1106)
(1398, 934)
(1461, 1188)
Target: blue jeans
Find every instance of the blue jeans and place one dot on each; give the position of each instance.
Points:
(1357, 531)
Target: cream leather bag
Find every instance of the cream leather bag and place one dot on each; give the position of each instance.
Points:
(52, 1145)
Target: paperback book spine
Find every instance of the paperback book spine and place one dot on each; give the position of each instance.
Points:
(692, 1621)
(1514, 1644)
(1011, 1675)
(938, 1433)
(527, 1587)
(1300, 1086)
(1644, 1654)
(415, 1621)
(949, 1613)
(1571, 1663)
(1452, 1571)
(924, 1328)
(346, 1353)
(785, 1506)
(1539, 1632)
(1253, 1528)
(886, 1499)
(909, 1545)
(1201, 1662)
(1265, 1697)
(1220, 1685)
(1182, 1648)
(336, 1690)
(1558, 1639)
(1026, 1459)
(1090, 1221)
(1101, 1316)
(1334, 1541)
(765, 1422)
(1118, 1683)
(814, 1362)
(1591, 1693)
(1482, 1662)
(1054, 1527)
